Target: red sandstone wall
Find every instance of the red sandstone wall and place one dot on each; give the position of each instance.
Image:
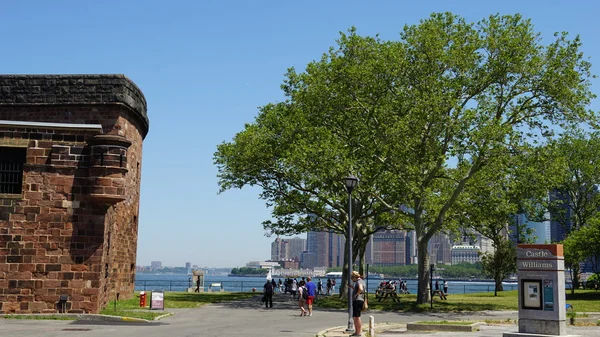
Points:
(54, 238)
(122, 222)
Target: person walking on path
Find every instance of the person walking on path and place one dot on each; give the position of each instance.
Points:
(294, 289)
(301, 299)
(268, 294)
(197, 284)
(312, 292)
(358, 301)
(320, 287)
(445, 287)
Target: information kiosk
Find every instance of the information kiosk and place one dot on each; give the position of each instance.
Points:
(542, 308)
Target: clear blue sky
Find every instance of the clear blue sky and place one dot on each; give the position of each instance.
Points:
(205, 66)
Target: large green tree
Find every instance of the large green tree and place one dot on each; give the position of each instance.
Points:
(492, 201)
(299, 162)
(467, 95)
(500, 263)
(416, 119)
(584, 243)
(574, 179)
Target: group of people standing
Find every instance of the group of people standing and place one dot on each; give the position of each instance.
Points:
(308, 290)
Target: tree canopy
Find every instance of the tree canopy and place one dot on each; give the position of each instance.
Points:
(415, 119)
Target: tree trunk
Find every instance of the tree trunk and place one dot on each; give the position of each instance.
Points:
(423, 291)
(358, 249)
(574, 277)
(499, 286)
(361, 257)
(343, 290)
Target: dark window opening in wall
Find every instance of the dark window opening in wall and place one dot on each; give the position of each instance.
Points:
(11, 169)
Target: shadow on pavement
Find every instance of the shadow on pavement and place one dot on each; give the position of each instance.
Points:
(86, 322)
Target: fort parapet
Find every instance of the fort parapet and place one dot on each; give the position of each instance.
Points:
(70, 169)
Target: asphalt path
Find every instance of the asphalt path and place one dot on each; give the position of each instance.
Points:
(241, 318)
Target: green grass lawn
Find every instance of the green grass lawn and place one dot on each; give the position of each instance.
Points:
(192, 300)
(131, 307)
(582, 301)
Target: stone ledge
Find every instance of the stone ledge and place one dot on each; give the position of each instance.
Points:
(443, 327)
(74, 89)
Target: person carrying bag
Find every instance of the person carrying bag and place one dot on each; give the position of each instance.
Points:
(359, 303)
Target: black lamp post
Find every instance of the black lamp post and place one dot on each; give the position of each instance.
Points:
(431, 270)
(351, 182)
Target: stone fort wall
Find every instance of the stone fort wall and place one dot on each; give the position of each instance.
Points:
(68, 233)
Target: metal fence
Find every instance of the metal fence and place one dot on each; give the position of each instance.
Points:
(174, 285)
(247, 286)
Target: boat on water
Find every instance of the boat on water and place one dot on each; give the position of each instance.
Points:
(338, 274)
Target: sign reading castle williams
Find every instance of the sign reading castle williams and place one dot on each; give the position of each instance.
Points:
(537, 265)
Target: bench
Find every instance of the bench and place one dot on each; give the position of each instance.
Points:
(440, 293)
(219, 287)
(384, 293)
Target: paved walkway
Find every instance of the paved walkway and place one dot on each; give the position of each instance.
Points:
(250, 319)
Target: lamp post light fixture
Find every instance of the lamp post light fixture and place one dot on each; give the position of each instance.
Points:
(351, 182)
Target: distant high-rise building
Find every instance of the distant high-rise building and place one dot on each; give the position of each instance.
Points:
(156, 264)
(540, 230)
(388, 248)
(440, 249)
(411, 247)
(484, 244)
(295, 248)
(277, 249)
(465, 254)
(287, 249)
(328, 248)
(560, 220)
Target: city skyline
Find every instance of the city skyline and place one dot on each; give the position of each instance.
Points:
(390, 245)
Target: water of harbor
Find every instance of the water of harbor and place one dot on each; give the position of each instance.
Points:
(181, 282)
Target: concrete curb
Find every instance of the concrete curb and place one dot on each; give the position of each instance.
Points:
(339, 331)
(324, 332)
(108, 318)
(96, 317)
(444, 327)
(163, 316)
